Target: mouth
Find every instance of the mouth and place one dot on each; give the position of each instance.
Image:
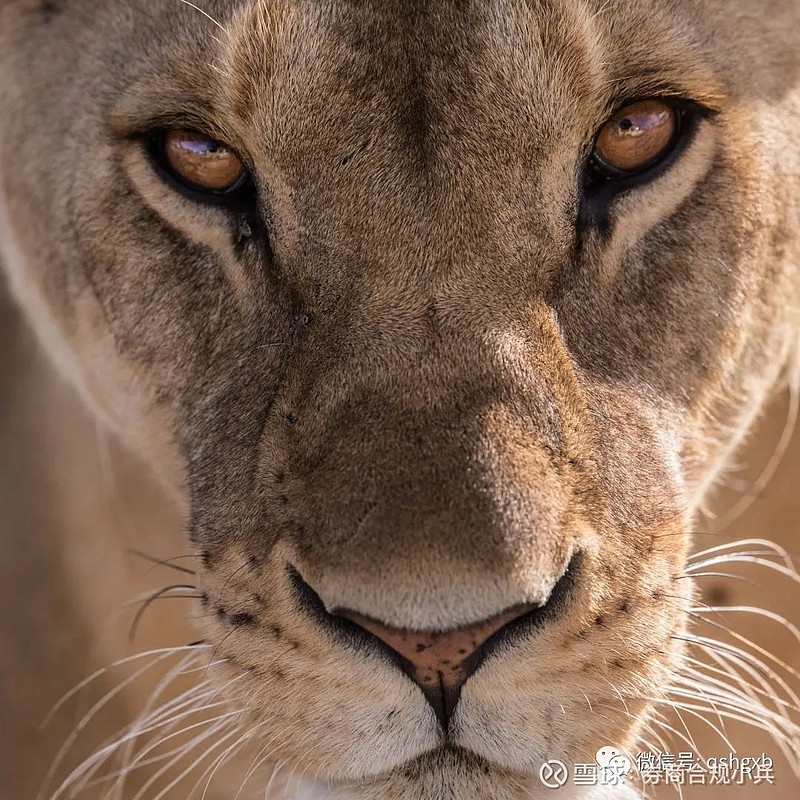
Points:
(439, 662)
(445, 771)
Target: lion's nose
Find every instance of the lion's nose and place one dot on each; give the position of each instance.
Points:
(440, 661)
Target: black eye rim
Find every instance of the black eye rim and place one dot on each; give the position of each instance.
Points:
(240, 198)
(602, 181)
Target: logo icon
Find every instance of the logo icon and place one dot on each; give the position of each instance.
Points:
(614, 765)
(554, 774)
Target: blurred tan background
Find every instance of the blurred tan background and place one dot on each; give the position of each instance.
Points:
(774, 514)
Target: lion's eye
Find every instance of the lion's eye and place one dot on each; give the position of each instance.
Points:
(636, 138)
(200, 163)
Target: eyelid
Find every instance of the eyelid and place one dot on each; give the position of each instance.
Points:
(155, 104)
(705, 96)
(679, 102)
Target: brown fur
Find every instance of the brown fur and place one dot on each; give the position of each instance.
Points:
(422, 382)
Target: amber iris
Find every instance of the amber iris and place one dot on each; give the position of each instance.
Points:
(637, 136)
(202, 162)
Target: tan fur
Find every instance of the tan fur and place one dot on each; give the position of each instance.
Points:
(422, 383)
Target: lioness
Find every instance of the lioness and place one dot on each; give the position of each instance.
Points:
(438, 319)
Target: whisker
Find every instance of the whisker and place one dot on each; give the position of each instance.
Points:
(84, 776)
(210, 767)
(84, 722)
(769, 555)
(162, 562)
(702, 665)
(664, 749)
(724, 660)
(102, 755)
(757, 648)
(278, 767)
(103, 670)
(731, 712)
(729, 575)
(727, 700)
(761, 612)
(771, 547)
(752, 668)
(224, 757)
(193, 744)
(720, 731)
(263, 756)
(141, 760)
(783, 739)
(155, 596)
(772, 465)
(160, 687)
(686, 738)
(207, 16)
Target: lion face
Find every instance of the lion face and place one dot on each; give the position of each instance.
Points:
(439, 344)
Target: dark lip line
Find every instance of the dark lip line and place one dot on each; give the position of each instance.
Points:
(356, 638)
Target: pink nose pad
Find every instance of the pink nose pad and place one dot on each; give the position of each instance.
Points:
(440, 661)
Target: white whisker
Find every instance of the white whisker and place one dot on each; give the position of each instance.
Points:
(103, 670)
(194, 743)
(100, 704)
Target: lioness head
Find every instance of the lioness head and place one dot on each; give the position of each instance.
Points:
(440, 317)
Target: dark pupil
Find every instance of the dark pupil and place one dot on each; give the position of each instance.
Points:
(626, 124)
